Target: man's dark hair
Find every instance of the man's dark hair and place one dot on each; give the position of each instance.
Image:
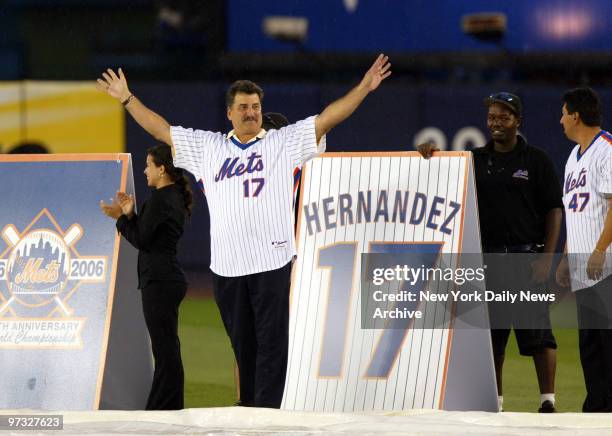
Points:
(243, 87)
(587, 103)
(274, 120)
(29, 148)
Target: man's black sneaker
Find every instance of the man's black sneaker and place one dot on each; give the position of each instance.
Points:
(547, 407)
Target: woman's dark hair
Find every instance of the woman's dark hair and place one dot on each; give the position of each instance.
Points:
(162, 155)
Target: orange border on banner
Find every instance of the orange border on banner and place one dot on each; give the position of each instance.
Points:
(67, 157)
(469, 162)
(362, 154)
(89, 157)
(393, 154)
(464, 154)
(125, 159)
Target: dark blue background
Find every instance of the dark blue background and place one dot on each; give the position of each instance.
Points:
(388, 120)
(422, 25)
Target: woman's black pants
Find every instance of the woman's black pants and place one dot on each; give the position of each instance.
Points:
(160, 304)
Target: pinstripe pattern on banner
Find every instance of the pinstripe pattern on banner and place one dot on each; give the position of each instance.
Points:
(369, 200)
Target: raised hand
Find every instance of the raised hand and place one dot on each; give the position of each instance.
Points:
(114, 85)
(126, 202)
(378, 72)
(112, 210)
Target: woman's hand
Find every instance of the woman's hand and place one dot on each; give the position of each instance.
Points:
(126, 202)
(112, 210)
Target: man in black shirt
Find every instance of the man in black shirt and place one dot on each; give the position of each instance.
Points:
(520, 210)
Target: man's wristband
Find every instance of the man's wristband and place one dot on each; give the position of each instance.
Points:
(127, 100)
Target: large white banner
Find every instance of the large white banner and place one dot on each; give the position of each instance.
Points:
(350, 204)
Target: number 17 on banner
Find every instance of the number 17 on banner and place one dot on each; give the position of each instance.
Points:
(339, 258)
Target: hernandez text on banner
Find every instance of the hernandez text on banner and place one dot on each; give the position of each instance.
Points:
(69, 308)
(353, 207)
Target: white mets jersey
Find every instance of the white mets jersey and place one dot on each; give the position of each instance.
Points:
(587, 187)
(249, 190)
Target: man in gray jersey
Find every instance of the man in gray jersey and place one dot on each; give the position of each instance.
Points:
(248, 178)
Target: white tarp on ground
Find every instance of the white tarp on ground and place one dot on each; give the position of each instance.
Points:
(245, 421)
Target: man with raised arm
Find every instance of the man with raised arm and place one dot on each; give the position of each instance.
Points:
(248, 177)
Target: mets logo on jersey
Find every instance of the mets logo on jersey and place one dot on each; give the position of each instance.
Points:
(40, 272)
(521, 174)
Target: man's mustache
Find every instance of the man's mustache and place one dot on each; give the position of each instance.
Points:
(245, 119)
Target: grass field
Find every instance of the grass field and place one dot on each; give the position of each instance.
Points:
(209, 377)
(207, 355)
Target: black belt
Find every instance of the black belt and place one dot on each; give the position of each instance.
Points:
(522, 248)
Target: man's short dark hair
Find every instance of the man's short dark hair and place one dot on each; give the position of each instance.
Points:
(29, 148)
(274, 120)
(242, 87)
(587, 103)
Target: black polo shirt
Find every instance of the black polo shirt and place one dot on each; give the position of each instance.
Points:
(515, 192)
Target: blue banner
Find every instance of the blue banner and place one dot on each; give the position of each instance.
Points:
(58, 257)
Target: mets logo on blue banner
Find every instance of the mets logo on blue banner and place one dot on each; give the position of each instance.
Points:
(40, 273)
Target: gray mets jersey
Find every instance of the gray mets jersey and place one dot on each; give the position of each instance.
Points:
(587, 187)
(249, 190)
